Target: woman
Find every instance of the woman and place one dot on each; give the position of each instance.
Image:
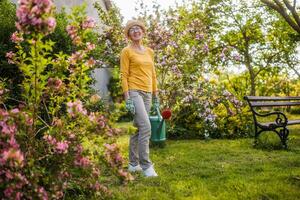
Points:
(139, 85)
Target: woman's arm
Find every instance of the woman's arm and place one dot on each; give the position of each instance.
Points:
(154, 79)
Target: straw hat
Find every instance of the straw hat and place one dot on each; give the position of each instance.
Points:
(132, 23)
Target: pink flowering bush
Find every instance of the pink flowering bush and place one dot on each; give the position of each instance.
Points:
(184, 51)
(210, 111)
(43, 151)
(35, 16)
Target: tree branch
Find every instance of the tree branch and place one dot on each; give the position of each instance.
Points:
(293, 11)
(277, 6)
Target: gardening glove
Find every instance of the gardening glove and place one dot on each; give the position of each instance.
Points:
(130, 106)
(155, 102)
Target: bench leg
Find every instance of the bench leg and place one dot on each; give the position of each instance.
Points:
(284, 133)
(257, 133)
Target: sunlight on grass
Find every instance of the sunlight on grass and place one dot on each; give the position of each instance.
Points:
(217, 169)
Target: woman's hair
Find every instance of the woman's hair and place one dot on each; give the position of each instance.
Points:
(132, 23)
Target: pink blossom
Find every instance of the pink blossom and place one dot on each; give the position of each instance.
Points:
(15, 110)
(16, 37)
(76, 107)
(3, 113)
(29, 121)
(55, 83)
(110, 147)
(35, 15)
(72, 136)
(51, 23)
(91, 62)
(8, 192)
(79, 149)
(42, 193)
(72, 31)
(19, 195)
(64, 174)
(122, 172)
(10, 56)
(36, 21)
(13, 143)
(49, 139)
(90, 46)
(109, 132)
(92, 117)
(88, 23)
(78, 55)
(102, 124)
(96, 172)
(8, 129)
(118, 158)
(82, 161)
(97, 187)
(9, 175)
(13, 155)
(62, 147)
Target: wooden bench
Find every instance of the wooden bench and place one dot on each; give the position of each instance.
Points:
(279, 125)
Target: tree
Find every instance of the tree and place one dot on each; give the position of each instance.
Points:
(250, 40)
(287, 10)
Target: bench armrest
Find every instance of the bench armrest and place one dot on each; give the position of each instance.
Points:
(281, 119)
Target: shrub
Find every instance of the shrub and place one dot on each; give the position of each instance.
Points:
(42, 151)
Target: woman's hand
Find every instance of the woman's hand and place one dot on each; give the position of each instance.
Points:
(155, 102)
(130, 106)
(126, 96)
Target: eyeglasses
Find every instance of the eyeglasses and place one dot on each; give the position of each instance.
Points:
(134, 29)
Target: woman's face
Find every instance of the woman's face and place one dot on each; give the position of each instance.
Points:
(136, 33)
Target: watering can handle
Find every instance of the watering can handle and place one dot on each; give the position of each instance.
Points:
(160, 118)
(158, 113)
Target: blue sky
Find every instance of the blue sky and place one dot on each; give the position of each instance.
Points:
(127, 6)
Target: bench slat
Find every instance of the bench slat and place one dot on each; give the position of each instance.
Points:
(266, 98)
(271, 104)
(290, 122)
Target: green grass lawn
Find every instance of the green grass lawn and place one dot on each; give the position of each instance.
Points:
(217, 169)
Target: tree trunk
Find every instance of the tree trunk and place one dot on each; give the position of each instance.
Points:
(252, 79)
(250, 68)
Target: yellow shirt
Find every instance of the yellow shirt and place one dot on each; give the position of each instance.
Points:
(137, 70)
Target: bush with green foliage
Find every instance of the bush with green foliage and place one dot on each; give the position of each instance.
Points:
(44, 140)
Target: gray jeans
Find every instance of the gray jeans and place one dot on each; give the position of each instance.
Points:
(139, 142)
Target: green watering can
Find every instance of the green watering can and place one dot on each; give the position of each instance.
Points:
(158, 127)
